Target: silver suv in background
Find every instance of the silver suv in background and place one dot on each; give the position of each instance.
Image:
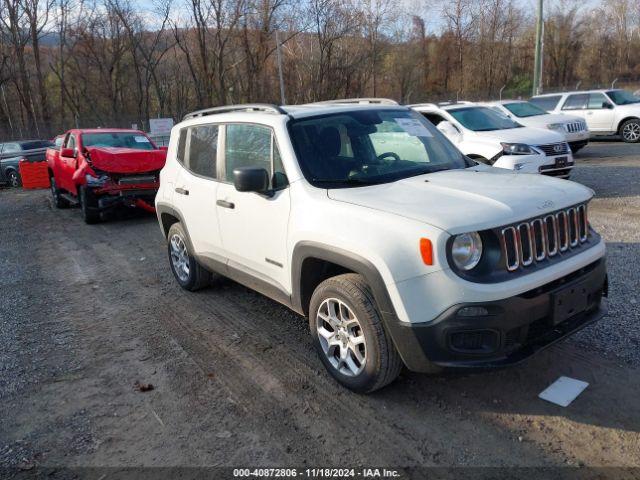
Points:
(607, 112)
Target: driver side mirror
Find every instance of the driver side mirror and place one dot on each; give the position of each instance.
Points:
(607, 105)
(68, 152)
(449, 130)
(251, 179)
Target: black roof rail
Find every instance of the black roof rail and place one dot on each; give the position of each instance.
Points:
(247, 107)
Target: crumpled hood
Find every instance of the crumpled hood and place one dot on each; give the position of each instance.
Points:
(126, 160)
(476, 198)
(528, 135)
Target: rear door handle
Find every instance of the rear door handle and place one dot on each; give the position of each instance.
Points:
(182, 191)
(225, 204)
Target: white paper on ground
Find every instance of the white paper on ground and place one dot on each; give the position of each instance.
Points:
(563, 391)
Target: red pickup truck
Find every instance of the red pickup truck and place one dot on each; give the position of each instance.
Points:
(101, 169)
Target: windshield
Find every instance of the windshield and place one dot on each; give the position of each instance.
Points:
(622, 97)
(482, 119)
(524, 109)
(370, 146)
(134, 140)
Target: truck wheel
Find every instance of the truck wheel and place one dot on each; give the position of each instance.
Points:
(630, 131)
(89, 206)
(58, 201)
(348, 333)
(14, 178)
(188, 272)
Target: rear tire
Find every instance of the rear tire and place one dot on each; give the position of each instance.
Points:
(189, 274)
(630, 131)
(349, 336)
(89, 206)
(58, 201)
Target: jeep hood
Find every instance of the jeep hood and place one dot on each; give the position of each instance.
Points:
(476, 198)
(126, 160)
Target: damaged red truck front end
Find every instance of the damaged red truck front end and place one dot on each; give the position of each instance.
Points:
(102, 170)
(123, 176)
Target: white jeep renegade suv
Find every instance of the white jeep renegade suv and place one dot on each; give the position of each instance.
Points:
(398, 248)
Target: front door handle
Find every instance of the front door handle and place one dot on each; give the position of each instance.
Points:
(225, 204)
(182, 191)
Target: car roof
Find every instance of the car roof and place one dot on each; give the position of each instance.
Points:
(105, 130)
(598, 90)
(313, 109)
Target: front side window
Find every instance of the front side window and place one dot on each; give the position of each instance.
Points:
(71, 141)
(524, 109)
(597, 101)
(576, 102)
(248, 145)
(383, 146)
(622, 97)
(482, 119)
(548, 103)
(134, 140)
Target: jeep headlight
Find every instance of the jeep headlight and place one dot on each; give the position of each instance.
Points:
(518, 149)
(466, 250)
(556, 126)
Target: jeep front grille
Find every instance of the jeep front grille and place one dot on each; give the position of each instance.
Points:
(553, 149)
(575, 127)
(544, 237)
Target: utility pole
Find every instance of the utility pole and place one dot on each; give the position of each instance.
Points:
(537, 69)
(278, 55)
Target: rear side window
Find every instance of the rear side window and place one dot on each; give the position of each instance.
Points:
(546, 103)
(253, 146)
(203, 150)
(198, 149)
(576, 102)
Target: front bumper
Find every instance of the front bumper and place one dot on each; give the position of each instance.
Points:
(514, 328)
(558, 165)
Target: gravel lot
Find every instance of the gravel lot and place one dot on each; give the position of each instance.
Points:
(86, 311)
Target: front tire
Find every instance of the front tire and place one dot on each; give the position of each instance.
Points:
(189, 274)
(89, 206)
(58, 201)
(630, 131)
(348, 334)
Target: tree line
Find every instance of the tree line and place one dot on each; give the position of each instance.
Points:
(87, 63)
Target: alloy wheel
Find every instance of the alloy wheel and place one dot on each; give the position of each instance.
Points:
(179, 257)
(341, 337)
(631, 132)
(14, 179)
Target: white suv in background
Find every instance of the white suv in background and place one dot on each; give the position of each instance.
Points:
(607, 112)
(573, 128)
(489, 137)
(398, 248)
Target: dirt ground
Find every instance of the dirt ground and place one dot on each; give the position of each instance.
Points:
(88, 311)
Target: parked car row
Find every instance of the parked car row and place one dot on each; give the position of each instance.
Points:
(388, 226)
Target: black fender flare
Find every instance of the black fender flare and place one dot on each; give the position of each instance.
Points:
(162, 208)
(403, 336)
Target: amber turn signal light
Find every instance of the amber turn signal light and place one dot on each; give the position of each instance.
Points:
(426, 250)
